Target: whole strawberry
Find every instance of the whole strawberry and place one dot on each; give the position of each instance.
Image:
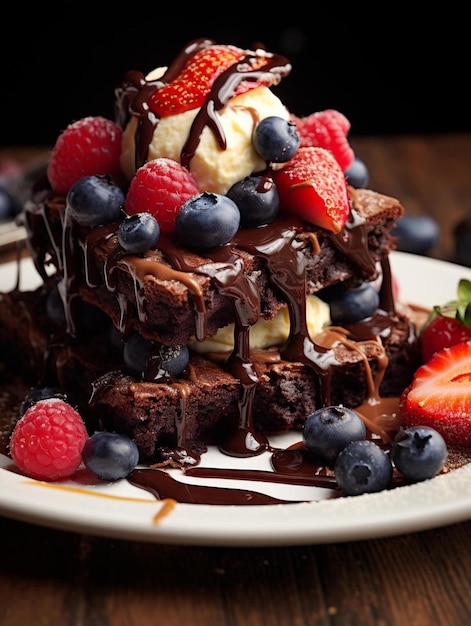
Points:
(449, 324)
(312, 186)
(91, 145)
(47, 441)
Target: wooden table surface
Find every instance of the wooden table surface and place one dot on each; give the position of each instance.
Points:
(58, 578)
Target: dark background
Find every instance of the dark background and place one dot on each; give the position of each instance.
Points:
(385, 72)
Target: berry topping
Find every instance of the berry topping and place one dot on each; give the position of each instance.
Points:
(363, 467)
(257, 199)
(440, 395)
(349, 305)
(9, 205)
(138, 233)
(92, 145)
(95, 200)
(160, 187)
(313, 186)
(328, 430)
(357, 174)
(149, 360)
(419, 453)
(416, 234)
(110, 456)
(207, 220)
(448, 324)
(276, 139)
(47, 442)
(327, 129)
(173, 359)
(42, 393)
(190, 88)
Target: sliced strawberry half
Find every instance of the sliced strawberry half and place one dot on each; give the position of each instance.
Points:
(189, 90)
(312, 185)
(440, 395)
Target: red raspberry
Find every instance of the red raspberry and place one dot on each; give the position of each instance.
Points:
(326, 129)
(92, 145)
(47, 441)
(160, 187)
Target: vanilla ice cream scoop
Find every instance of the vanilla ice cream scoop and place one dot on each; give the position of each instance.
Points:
(214, 169)
(213, 140)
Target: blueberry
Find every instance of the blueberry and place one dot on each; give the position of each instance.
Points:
(150, 360)
(328, 430)
(95, 200)
(363, 467)
(352, 305)
(136, 352)
(416, 234)
(174, 359)
(207, 220)
(42, 393)
(357, 174)
(275, 139)
(9, 205)
(462, 241)
(110, 456)
(138, 233)
(258, 200)
(419, 452)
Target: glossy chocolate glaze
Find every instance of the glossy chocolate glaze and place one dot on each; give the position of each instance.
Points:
(279, 244)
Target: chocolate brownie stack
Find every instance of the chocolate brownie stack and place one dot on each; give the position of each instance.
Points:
(154, 296)
(172, 296)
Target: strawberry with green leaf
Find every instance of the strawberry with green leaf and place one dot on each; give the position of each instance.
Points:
(448, 324)
(312, 186)
(440, 395)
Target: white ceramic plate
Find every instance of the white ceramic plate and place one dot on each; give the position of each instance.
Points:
(122, 511)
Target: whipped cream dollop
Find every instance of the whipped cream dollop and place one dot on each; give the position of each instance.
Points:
(214, 170)
(267, 333)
